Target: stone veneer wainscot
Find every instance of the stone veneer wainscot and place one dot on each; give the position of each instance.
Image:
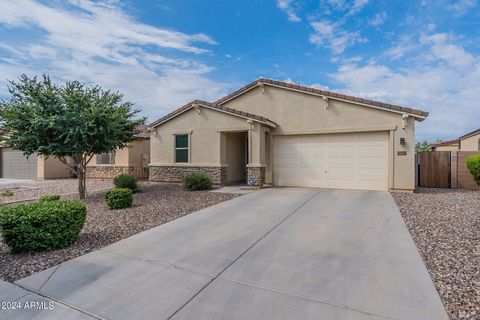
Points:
(178, 173)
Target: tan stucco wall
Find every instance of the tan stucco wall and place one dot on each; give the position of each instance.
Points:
(446, 148)
(138, 153)
(470, 144)
(298, 113)
(121, 159)
(205, 140)
(50, 168)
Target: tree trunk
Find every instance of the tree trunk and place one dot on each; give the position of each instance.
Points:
(80, 168)
(82, 191)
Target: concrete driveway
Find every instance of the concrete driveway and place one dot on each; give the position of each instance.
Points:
(286, 253)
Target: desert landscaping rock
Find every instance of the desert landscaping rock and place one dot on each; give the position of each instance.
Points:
(154, 205)
(33, 189)
(445, 225)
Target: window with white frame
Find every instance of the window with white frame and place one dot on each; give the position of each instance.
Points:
(106, 158)
(182, 145)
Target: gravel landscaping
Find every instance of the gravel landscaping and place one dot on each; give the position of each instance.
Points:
(29, 190)
(445, 225)
(154, 205)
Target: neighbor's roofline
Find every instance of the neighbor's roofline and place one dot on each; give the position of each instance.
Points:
(444, 143)
(468, 135)
(211, 106)
(418, 114)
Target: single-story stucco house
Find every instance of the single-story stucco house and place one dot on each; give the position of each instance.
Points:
(272, 132)
(467, 142)
(447, 145)
(133, 159)
(14, 165)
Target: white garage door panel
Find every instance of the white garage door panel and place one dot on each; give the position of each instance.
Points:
(344, 161)
(15, 165)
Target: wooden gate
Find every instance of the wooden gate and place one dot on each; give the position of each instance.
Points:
(434, 169)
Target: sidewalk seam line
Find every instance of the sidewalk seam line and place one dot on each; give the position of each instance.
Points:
(248, 284)
(241, 255)
(91, 315)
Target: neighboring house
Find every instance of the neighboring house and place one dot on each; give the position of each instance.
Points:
(288, 135)
(467, 142)
(133, 159)
(470, 141)
(15, 165)
(450, 145)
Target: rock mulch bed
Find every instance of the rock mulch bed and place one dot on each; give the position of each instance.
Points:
(445, 225)
(153, 206)
(33, 189)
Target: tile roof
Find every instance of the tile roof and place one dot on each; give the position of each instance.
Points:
(212, 106)
(388, 106)
(143, 132)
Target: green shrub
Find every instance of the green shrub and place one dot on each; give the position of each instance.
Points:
(126, 180)
(197, 181)
(473, 164)
(49, 197)
(42, 225)
(119, 198)
(7, 193)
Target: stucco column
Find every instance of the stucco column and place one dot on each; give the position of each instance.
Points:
(256, 165)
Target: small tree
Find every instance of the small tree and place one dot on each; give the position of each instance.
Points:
(71, 122)
(423, 146)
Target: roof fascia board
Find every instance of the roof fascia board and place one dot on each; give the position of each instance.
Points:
(469, 135)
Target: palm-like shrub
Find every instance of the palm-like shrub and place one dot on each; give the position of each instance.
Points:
(126, 180)
(197, 181)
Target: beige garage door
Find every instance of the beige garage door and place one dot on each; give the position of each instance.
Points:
(16, 166)
(343, 161)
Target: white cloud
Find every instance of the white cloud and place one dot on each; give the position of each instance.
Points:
(447, 84)
(349, 7)
(100, 43)
(462, 7)
(357, 6)
(378, 19)
(332, 36)
(287, 7)
(403, 46)
(452, 54)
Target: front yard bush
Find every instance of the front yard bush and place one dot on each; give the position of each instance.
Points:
(198, 181)
(473, 164)
(119, 198)
(49, 197)
(126, 180)
(42, 225)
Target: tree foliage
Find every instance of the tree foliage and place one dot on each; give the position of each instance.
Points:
(473, 164)
(72, 122)
(423, 146)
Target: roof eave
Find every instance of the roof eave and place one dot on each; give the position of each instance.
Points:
(197, 103)
(262, 81)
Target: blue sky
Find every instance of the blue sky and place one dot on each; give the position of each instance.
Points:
(164, 53)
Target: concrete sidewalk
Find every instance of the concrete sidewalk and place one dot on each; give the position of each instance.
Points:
(277, 253)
